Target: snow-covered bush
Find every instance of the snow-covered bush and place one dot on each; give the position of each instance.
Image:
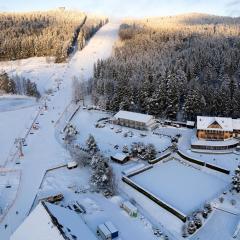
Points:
(191, 227)
(236, 180)
(208, 207)
(125, 149)
(70, 133)
(150, 152)
(146, 152)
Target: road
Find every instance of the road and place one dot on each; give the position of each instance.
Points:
(43, 150)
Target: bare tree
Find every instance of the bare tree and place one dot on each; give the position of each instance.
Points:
(78, 89)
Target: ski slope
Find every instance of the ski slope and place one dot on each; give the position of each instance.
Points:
(43, 150)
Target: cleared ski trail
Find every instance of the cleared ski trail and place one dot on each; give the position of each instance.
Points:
(43, 150)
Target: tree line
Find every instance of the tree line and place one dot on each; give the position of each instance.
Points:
(173, 67)
(18, 85)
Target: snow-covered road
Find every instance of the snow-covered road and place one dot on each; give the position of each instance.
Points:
(43, 150)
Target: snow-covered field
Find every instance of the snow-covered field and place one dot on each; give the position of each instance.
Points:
(13, 102)
(15, 117)
(40, 70)
(182, 187)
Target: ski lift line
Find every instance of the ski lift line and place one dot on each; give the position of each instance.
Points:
(64, 111)
(12, 155)
(226, 211)
(71, 117)
(42, 101)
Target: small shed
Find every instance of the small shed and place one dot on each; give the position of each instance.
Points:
(120, 158)
(129, 208)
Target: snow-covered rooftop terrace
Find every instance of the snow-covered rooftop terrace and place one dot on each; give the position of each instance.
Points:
(229, 142)
(182, 187)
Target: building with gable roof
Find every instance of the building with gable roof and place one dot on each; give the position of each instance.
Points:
(51, 222)
(134, 120)
(216, 133)
(214, 128)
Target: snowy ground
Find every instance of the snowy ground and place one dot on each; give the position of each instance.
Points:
(40, 70)
(107, 137)
(43, 150)
(14, 102)
(220, 226)
(186, 191)
(98, 208)
(8, 189)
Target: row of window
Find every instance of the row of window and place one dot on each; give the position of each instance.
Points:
(125, 121)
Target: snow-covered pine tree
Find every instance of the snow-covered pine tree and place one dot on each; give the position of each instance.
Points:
(92, 145)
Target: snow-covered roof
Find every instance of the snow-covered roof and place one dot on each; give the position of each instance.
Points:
(190, 123)
(203, 123)
(49, 221)
(236, 124)
(138, 117)
(134, 168)
(72, 164)
(130, 206)
(120, 156)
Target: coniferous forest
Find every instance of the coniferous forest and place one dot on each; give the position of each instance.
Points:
(49, 33)
(174, 67)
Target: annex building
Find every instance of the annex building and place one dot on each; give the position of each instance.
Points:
(134, 120)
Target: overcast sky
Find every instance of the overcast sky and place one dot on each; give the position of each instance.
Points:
(133, 8)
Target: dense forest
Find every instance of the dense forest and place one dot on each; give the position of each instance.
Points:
(50, 33)
(173, 67)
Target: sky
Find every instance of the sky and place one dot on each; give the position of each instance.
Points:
(129, 8)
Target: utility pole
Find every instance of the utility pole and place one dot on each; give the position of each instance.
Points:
(45, 104)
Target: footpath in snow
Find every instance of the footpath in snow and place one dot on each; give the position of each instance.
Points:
(43, 150)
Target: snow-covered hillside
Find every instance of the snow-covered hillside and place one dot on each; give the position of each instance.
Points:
(42, 150)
